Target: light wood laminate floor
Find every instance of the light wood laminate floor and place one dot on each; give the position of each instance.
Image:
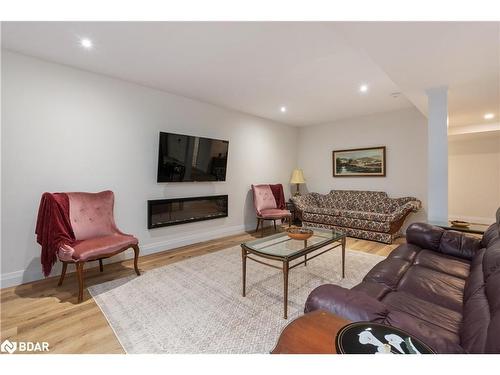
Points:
(41, 311)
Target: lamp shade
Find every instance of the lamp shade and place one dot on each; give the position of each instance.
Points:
(297, 177)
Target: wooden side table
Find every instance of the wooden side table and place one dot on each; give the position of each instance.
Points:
(312, 333)
(472, 228)
(293, 210)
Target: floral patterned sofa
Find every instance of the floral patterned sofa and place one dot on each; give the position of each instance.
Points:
(370, 215)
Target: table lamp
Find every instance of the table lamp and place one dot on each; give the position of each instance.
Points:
(297, 178)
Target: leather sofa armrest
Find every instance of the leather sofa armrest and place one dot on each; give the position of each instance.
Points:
(349, 304)
(448, 242)
(424, 235)
(459, 244)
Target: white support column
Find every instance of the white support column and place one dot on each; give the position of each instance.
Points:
(437, 154)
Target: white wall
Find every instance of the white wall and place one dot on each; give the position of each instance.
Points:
(69, 130)
(474, 176)
(404, 133)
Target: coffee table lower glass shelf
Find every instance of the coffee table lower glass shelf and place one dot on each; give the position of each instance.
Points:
(280, 247)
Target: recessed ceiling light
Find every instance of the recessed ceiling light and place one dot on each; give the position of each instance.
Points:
(363, 88)
(86, 43)
(489, 116)
(283, 109)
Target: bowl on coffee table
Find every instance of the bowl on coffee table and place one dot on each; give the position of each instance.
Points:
(298, 233)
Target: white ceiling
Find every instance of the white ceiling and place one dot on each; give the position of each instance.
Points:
(465, 56)
(312, 68)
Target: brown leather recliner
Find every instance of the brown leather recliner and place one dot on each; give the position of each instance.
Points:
(442, 286)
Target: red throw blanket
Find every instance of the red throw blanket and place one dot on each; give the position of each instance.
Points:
(53, 228)
(279, 195)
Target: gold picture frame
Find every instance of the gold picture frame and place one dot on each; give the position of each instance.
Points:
(359, 162)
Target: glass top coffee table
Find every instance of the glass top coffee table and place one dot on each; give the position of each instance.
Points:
(280, 247)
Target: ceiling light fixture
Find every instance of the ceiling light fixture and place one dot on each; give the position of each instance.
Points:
(489, 116)
(283, 109)
(86, 43)
(363, 88)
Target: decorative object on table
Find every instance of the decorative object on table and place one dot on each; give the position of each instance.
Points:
(460, 223)
(297, 178)
(269, 204)
(375, 338)
(370, 215)
(472, 228)
(298, 233)
(359, 162)
(77, 228)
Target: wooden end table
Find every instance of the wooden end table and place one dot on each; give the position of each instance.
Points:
(312, 333)
(472, 228)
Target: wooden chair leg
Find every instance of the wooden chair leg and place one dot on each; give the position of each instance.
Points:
(101, 267)
(258, 223)
(63, 273)
(136, 259)
(274, 222)
(79, 271)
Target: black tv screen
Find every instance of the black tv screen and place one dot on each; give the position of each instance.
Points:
(187, 158)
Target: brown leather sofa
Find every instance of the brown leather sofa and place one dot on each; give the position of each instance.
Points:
(371, 215)
(442, 286)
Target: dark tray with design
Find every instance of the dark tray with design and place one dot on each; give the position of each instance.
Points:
(375, 338)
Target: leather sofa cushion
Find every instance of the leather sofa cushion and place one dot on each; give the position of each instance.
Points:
(442, 263)
(476, 322)
(490, 235)
(493, 295)
(491, 259)
(459, 245)
(434, 286)
(405, 251)
(374, 290)
(439, 339)
(388, 272)
(424, 310)
(476, 276)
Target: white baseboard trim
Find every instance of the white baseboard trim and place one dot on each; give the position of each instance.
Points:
(21, 277)
(473, 219)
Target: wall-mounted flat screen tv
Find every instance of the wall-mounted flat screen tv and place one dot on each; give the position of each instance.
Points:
(183, 158)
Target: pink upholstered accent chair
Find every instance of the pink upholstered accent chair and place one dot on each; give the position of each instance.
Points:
(96, 234)
(269, 203)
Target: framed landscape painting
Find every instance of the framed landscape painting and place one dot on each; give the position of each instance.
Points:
(359, 162)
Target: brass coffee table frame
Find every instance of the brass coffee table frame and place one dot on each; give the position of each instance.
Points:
(286, 267)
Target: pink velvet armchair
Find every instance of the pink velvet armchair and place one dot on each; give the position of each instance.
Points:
(269, 203)
(96, 234)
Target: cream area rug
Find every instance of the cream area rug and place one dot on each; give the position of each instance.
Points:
(196, 306)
